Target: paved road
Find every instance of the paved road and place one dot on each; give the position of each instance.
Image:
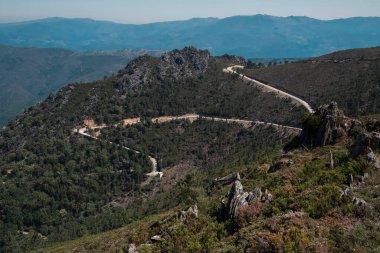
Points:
(268, 88)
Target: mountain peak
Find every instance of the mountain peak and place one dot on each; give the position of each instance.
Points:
(175, 65)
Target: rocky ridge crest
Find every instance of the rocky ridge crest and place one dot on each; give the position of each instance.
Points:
(174, 65)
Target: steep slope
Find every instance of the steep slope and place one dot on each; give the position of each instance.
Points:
(351, 78)
(249, 36)
(58, 185)
(29, 75)
(323, 199)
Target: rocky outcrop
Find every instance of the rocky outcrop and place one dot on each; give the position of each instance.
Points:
(174, 65)
(365, 145)
(327, 125)
(237, 198)
(156, 238)
(131, 248)
(237, 60)
(359, 202)
(192, 212)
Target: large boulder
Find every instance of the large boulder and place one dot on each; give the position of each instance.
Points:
(365, 145)
(238, 198)
(327, 125)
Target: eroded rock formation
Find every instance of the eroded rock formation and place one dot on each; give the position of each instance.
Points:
(327, 125)
(174, 65)
(237, 198)
(365, 145)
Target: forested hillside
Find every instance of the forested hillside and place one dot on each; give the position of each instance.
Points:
(57, 185)
(74, 167)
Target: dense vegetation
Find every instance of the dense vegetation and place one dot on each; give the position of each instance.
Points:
(213, 93)
(308, 214)
(58, 185)
(351, 78)
(70, 182)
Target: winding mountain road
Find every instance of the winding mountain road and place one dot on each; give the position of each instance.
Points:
(268, 88)
(193, 117)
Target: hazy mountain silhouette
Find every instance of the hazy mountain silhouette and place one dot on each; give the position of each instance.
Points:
(249, 36)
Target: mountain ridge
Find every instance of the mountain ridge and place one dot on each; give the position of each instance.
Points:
(249, 36)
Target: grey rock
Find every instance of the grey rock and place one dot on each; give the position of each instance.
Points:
(364, 144)
(350, 180)
(236, 203)
(156, 238)
(238, 198)
(344, 192)
(132, 248)
(371, 157)
(192, 212)
(359, 202)
(266, 197)
(377, 164)
(174, 65)
(332, 126)
(365, 177)
(254, 195)
(331, 160)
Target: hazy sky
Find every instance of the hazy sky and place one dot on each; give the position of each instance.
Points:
(144, 11)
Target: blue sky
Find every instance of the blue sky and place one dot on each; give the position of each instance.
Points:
(145, 11)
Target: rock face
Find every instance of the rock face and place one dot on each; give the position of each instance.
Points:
(364, 145)
(327, 125)
(238, 198)
(174, 65)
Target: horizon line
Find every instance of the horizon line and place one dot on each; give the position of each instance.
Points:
(177, 20)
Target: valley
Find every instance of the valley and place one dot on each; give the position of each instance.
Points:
(28, 75)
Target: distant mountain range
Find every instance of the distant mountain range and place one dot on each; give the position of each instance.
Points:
(28, 75)
(248, 36)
